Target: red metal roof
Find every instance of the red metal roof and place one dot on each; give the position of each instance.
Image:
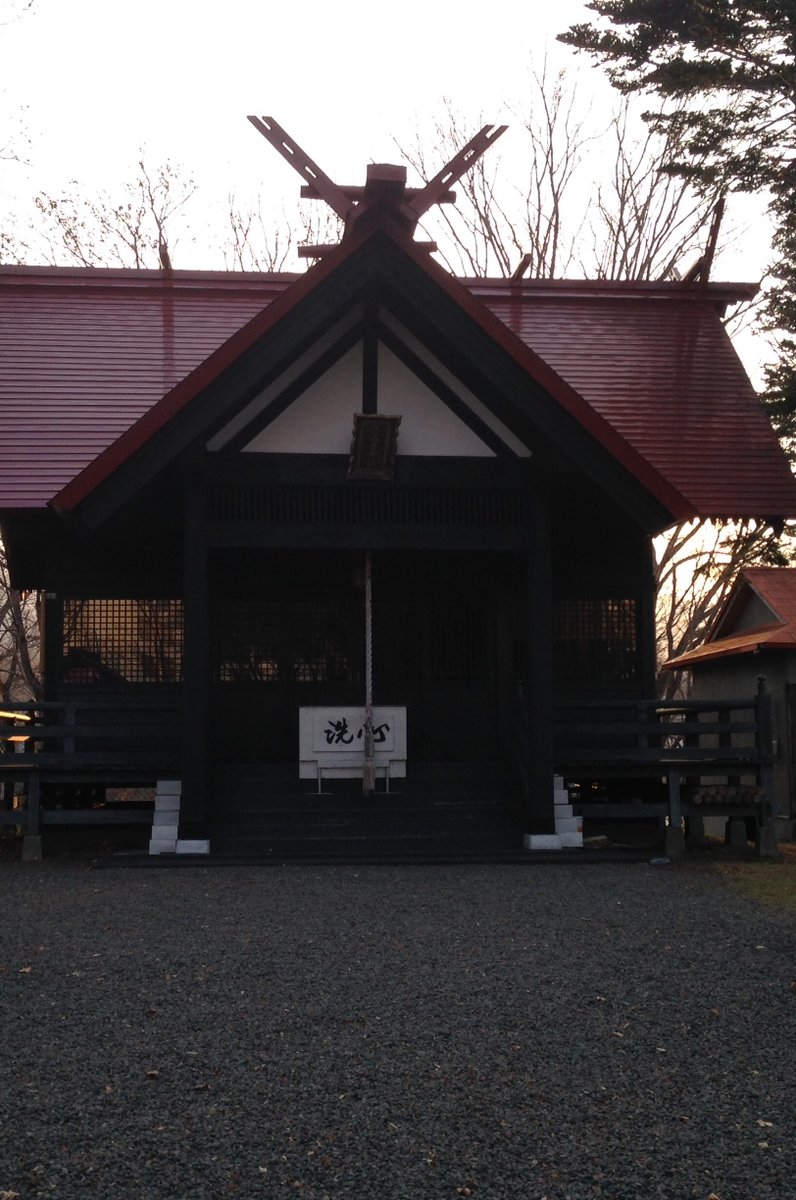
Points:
(776, 587)
(85, 354)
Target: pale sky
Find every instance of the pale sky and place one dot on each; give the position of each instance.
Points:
(179, 76)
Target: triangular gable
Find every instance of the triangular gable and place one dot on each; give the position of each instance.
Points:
(521, 390)
(760, 612)
(311, 411)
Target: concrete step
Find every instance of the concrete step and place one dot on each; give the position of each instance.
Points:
(398, 848)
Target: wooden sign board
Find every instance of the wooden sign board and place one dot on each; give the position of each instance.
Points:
(332, 742)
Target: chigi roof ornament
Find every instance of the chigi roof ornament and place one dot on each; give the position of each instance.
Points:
(385, 188)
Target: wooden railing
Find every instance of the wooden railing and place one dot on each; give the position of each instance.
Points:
(123, 741)
(684, 744)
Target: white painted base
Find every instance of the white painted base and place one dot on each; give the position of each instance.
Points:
(166, 804)
(169, 787)
(162, 845)
(570, 840)
(542, 841)
(569, 824)
(166, 817)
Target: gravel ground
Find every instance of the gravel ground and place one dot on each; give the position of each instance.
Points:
(387, 1032)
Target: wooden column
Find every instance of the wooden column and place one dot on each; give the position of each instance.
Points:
(195, 667)
(540, 668)
(647, 632)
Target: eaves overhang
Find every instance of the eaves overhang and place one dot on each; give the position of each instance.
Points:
(505, 363)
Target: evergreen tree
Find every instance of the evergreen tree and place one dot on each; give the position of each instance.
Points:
(732, 63)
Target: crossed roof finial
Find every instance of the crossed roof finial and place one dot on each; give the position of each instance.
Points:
(385, 186)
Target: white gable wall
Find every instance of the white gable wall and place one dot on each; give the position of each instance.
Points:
(320, 420)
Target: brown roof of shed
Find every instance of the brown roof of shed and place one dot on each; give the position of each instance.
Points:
(86, 353)
(776, 587)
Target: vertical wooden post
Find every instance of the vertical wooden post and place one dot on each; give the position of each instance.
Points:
(647, 632)
(674, 845)
(767, 833)
(52, 643)
(195, 668)
(540, 668)
(31, 842)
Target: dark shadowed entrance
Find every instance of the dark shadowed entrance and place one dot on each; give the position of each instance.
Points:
(289, 632)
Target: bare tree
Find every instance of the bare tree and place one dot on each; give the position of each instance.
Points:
(696, 564)
(578, 198)
(128, 230)
(502, 215)
(646, 223)
(19, 640)
(259, 243)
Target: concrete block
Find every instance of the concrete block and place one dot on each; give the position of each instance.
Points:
(562, 810)
(570, 840)
(767, 844)
(165, 816)
(738, 834)
(542, 841)
(193, 846)
(166, 833)
(674, 843)
(162, 845)
(167, 803)
(31, 847)
(169, 787)
(569, 824)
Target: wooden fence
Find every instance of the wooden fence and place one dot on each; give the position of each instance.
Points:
(124, 742)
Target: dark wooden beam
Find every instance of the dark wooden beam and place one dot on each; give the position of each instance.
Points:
(355, 194)
(320, 250)
(370, 362)
(273, 132)
(294, 389)
(458, 166)
(540, 764)
(195, 668)
(448, 397)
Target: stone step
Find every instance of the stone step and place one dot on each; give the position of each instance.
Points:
(399, 848)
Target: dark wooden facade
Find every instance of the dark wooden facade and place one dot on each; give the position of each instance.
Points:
(486, 593)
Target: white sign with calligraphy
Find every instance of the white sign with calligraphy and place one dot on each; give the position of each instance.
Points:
(332, 742)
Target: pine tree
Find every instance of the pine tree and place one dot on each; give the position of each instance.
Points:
(733, 65)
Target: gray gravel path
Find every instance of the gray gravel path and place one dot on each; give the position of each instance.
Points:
(355, 1032)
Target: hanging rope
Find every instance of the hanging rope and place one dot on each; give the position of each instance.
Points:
(369, 770)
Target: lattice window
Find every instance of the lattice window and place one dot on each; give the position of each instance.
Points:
(122, 641)
(265, 641)
(319, 643)
(249, 641)
(596, 638)
(459, 643)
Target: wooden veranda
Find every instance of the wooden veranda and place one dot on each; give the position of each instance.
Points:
(671, 761)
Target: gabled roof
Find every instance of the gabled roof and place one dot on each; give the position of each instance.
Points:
(96, 362)
(774, 624)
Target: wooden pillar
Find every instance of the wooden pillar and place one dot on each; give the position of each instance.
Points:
(195, 667)
(52, 644)
(540, 669)
(767, 833)
(647, 632)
